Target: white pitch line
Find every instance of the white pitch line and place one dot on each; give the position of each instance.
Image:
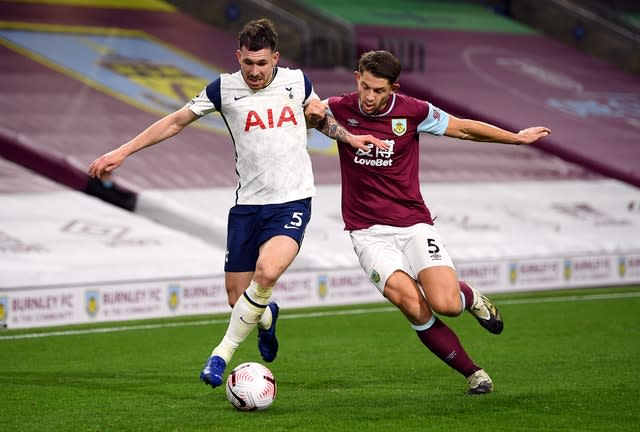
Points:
(554, 299)
(359, 311)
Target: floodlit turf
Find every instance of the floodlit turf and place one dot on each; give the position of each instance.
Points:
(567, 361)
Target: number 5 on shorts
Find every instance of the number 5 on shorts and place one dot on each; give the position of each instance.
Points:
(433, 246)
(296, 221)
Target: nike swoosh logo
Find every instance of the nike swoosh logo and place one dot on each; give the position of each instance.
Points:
(287, 226)
(239, 97)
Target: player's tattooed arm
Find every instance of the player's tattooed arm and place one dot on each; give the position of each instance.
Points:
(330, 127)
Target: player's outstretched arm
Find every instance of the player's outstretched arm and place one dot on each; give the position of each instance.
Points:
(533, 134)
(479, 131)
(164, 128)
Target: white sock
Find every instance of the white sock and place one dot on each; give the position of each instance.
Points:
(265, 321)
(464, 303)
(426, 325)
(246, 313)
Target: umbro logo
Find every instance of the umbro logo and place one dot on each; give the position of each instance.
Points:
(352, 122)
(239, 97)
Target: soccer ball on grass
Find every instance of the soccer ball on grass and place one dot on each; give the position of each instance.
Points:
(251, 386)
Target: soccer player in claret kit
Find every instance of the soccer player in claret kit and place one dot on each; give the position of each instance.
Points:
(263, 106)
(390, 226)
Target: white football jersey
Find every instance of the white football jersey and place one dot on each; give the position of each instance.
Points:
(269, 133)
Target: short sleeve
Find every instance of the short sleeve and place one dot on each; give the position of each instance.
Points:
(309, 93)
(436, 122)
(209, 100)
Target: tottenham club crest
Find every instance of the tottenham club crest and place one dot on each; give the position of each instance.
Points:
(399, 126)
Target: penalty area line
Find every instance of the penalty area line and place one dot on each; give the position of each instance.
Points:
(304, 315)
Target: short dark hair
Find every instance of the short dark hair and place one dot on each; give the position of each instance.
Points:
(258, 34)
(381, 64)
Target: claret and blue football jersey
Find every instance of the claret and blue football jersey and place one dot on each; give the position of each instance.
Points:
(382, 186)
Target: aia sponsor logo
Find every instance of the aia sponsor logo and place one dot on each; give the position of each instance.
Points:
(270, 119)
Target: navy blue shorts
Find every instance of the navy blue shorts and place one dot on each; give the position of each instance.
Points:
(251, 225)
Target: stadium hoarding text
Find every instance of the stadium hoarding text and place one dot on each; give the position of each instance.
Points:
(43, 307)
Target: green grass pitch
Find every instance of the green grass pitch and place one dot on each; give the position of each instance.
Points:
(567, 361)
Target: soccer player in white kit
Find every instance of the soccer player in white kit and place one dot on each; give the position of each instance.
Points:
(390, 226)
(263, 106)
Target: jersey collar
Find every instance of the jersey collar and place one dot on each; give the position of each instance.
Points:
(390, 104)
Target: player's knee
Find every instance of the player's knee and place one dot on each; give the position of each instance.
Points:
(412, 306)
(448, 304)
(266, 276)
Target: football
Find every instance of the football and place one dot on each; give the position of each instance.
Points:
(251, 386)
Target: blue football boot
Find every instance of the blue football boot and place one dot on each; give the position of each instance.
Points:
(213, 371)
(267, 341)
